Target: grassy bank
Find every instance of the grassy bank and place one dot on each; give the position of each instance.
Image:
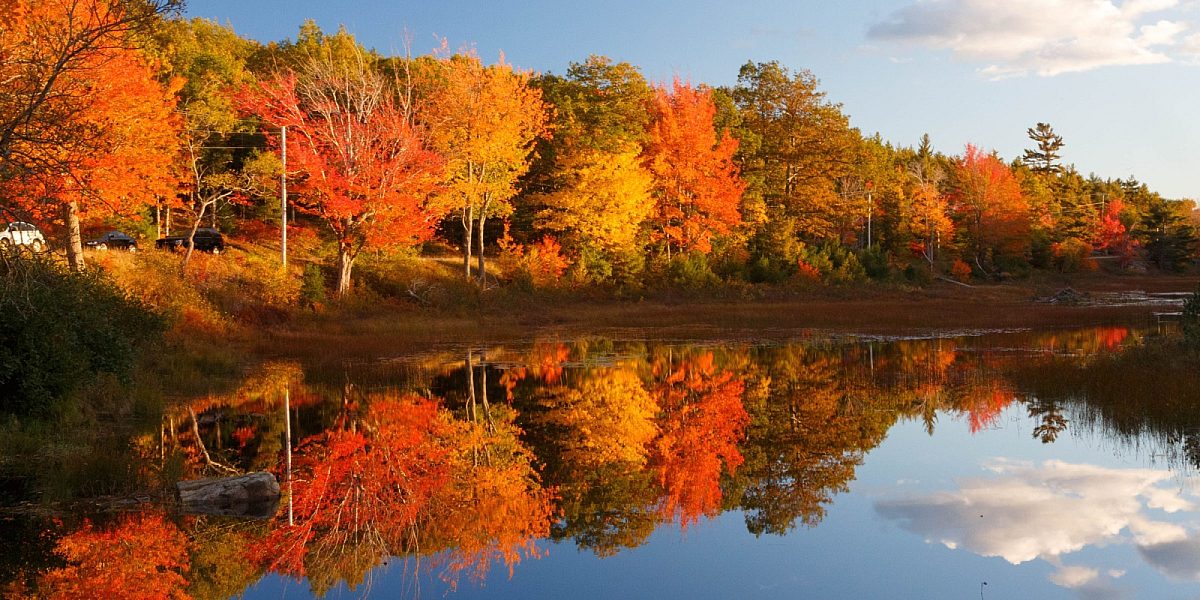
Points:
(238, 307)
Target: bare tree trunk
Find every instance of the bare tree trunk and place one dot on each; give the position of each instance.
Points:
(191, 238)
(487, 409)
(345, 265)
(468, 221)
(204, 451)
(74, 243)
(471, 403)
(482, 265)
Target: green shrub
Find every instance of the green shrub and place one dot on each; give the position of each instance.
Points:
(59, 330)
(918, 274)
(835, 263)
(691, 270)
(875, 262)
(312, 286)
(1070, 255)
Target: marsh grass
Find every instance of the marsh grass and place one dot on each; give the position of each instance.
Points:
(1150, 390)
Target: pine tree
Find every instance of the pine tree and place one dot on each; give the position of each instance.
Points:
(1045, 159)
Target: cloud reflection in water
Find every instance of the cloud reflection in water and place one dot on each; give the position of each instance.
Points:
(1021, 512)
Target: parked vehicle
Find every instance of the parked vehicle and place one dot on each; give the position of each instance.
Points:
(19, 233)
(206, 239)
(113, 240)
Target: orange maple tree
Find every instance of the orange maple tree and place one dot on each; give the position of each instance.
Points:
(495, 508)
(1113, 236)
(87, 130)
(360, 164)
(697, 189)
(990, 208)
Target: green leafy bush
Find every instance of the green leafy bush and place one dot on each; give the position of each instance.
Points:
(691, 270)
(312, 286)
(918, 274)
(1070, 255)
(59, 330)
(834, 263)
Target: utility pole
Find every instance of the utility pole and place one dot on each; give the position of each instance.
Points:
(287, 434)
(283, 203)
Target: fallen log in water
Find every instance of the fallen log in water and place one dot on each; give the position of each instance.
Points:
(254, 495)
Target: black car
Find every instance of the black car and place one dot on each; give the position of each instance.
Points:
(206, 239)
(113, 240)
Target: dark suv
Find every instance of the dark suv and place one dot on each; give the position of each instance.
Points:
(113, 240)
(206, 239)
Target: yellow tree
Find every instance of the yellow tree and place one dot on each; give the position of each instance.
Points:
(600, 207)
(604, 424)
(484, 120)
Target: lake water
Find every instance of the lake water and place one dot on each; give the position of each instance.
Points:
(1058, 464)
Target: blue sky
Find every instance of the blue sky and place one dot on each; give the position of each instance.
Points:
(1118, 79)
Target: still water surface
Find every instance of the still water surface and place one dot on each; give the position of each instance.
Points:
(1022, 464)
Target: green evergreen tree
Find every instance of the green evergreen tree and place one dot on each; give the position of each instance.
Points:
(1168, 236)
(1045, 159)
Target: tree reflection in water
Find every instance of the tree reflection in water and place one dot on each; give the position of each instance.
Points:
(460, 462)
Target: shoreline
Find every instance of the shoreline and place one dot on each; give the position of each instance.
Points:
(869, 310)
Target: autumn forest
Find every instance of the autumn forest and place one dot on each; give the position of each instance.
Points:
(465, 315)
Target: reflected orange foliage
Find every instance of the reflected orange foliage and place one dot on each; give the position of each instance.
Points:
(360, 487)
(546, 360)
(144, 557)
(495, 507)
(985, 404)
(701, 421)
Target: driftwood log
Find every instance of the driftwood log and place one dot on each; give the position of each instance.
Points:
(254, 495)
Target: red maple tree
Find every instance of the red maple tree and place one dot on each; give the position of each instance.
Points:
(353, 154)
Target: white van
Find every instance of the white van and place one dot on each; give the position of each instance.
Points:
(19, 233)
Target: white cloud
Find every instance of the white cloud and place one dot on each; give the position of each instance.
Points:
(1073, 577)
(1046, 37)
(1162, 33)
(1027, 512)
(1190, 48)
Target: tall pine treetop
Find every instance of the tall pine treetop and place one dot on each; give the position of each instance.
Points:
(1045, 158)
